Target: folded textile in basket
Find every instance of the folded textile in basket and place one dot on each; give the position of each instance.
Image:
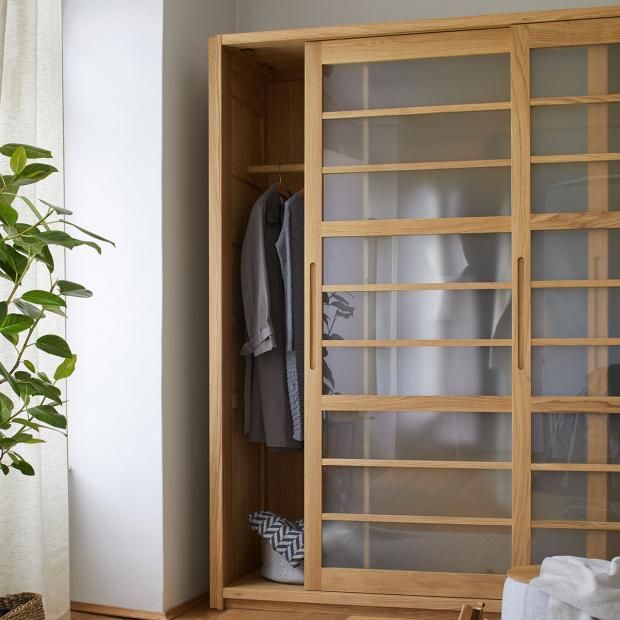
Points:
(285, 537)
(580, 588)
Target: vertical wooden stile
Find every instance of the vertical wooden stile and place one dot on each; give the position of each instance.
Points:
(598, 202)
(313, 315)
(521, 296)
(219, 307)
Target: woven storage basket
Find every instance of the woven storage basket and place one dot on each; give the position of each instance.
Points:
(22, 606)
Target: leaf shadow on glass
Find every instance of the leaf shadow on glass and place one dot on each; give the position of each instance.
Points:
(335, 306)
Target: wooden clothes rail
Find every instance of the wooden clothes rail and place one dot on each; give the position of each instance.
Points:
(274, 168)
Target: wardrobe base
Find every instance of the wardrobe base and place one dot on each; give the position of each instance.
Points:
(254, 592)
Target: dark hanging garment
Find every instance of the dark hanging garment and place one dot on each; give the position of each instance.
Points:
(296, 207)
(290, 245)
(267, 410)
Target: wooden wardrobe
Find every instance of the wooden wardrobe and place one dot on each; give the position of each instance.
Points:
(462, 278)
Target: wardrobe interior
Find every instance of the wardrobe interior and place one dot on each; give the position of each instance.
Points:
(266, 94)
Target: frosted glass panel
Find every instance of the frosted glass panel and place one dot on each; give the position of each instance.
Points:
(417, 547)
(563, 71)
(418, 314)
(576, 371)
(417, 194)
(563, 254)
(427, 137)
(569, 542)
(418, 435)
(420, 258)
(428, 81)
(564, 496)
(563, 437)
(437, 492)
(565, 129)
(564, 313)
(418, 371)
(558, 188)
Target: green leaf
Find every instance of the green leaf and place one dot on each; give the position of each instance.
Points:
(65, 368)
(18, 159)
(5, 469)
(28, 309)
(12, 338)
(5, 412)
(32, 152)
(45, 257)
(9, 378)
(22, 375)
(33, 173)
(54, 345)
(8, 214)
(89, 233)
(29, 365)
(28, 423)
(73, 289)
(36, 387)
(12, 262)
(43, 376)
(48, 415)
(59, 237)
(43, 298)
(59, 210)
(3, 310)
(33, 208)
(15, 323)
(24, 467)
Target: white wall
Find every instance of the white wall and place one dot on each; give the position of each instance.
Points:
(187, 26)
(113, 164)
(253, 15)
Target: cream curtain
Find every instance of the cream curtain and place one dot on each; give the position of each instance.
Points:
(34, 510)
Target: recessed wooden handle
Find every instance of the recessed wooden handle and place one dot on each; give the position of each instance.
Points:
(312, 327)
(520, 314)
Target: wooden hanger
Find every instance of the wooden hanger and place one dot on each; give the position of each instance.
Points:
(283, 191)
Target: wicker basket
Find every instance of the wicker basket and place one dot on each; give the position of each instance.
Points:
(22, 606)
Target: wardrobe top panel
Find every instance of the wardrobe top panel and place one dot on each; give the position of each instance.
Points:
(281, 39)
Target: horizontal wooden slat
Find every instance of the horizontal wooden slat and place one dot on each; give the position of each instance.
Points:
(414, 519)
(421, 226)
(412, 582)
(575, 342)
(576, 404)
(412, 111)
(409, 47)
(416, 464)
(367, 402)
(574, 100)
(432, 286)
(297, 36)
(422, 165)
(591, 467)
(574, 158)
(574, 221)
(254, 590)
(574, 283)
(576, 32)
(576, 525)
(275, 168)
(437, 342)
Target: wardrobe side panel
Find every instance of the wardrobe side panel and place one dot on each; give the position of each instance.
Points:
(219, 307)
(284, 143)
(246, 105)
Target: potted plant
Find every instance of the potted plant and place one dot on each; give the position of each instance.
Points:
(31, 401)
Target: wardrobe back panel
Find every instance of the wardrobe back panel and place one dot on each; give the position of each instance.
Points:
(266, 126)
(246, 108)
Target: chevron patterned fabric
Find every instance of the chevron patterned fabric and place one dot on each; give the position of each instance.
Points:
(285, 537)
